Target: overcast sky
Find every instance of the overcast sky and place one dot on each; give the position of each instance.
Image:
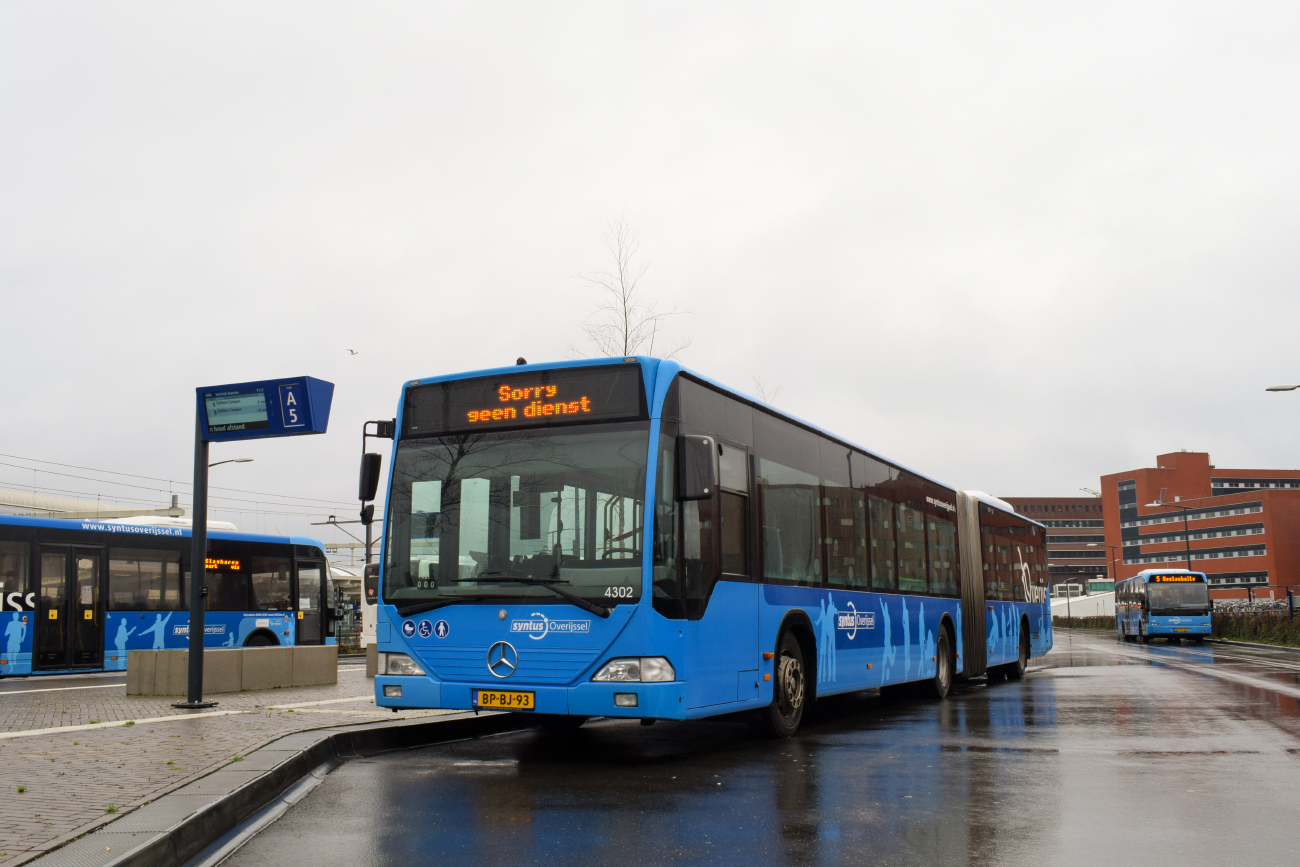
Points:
(1012, 245)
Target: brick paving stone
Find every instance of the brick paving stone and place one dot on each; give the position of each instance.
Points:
(71, 778)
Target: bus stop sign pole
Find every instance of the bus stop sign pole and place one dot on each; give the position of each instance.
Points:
(198, 569)
(239, 411)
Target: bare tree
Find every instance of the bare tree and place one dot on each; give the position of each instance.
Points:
(764, 393)
(625, 322)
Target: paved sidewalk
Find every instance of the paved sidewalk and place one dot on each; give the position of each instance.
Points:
(77, 753)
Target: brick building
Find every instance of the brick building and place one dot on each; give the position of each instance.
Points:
(1244, 524)
(1076, 538)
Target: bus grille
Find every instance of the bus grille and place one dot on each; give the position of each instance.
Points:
(545, 667)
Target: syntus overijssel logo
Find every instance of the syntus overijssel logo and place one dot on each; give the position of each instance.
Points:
(852, 620)
(541, 626)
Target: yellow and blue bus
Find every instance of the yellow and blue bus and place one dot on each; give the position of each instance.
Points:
(1163, 603)
(79, 595)
(627, 538)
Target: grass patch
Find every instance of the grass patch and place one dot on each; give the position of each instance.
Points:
(1261, 627)
(111, 809)
(129, 722)
(22, 789)
(1084, 622)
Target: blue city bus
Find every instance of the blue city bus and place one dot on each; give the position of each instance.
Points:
(1169, 603)
(79, 595)
(626, 538)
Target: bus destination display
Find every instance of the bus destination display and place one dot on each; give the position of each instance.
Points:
(236, 409)
(1175, 579)
(525, 400)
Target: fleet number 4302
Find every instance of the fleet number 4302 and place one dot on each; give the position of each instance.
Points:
(618, 592)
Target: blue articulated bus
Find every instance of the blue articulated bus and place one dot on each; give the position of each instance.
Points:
(78, 596)
(1163, 603)
(626, 538)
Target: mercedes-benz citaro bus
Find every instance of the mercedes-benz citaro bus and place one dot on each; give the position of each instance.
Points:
(1167, 603)
(626, 538)
(79, 595)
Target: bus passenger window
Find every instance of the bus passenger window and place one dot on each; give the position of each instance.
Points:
(791, 521)
(270, 578)
(13, 572)
(911, 549)
(882, 544)
(942, 541)
(144, 580)
(734, 542)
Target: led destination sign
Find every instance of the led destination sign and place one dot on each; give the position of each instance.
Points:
(547, 397)
(1175, 579)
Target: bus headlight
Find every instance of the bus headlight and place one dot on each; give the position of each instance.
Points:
(398, 664)
(644, 669)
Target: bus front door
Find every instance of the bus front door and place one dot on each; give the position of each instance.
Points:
(311, 590)
(69, 610)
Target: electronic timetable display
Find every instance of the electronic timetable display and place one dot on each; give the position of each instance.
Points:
(527, 399)
(271, 408)
(236, 409)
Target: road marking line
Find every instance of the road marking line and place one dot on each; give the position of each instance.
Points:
(157, 719)
(1209, 671)
(58, 689)
(316, 703)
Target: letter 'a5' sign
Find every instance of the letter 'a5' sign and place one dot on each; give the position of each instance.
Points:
(271, 408)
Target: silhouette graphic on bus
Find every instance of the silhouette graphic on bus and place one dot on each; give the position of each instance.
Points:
(826, 640)
(122, 635)
(15, 632)
(159, 631)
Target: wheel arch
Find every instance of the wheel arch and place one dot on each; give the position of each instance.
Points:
(262, 633)
(797, 622)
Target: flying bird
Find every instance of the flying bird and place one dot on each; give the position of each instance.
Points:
(353, 352)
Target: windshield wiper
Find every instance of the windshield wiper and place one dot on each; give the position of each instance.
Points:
(548, 583)
(421, 607)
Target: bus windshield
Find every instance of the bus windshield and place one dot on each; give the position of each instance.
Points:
(1179, 598)
(495, 515)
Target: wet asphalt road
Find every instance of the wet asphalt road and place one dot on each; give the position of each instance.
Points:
(1106, 753)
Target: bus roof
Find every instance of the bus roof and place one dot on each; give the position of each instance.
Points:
(655, 369)
(117, 527)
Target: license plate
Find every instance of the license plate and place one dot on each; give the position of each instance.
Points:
(1180, 629)
(501, 699)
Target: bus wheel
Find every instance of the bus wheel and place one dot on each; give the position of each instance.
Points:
(259, 639)
(781, 718)
(943, 666)
(1016, 670)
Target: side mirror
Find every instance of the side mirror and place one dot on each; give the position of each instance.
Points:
(368, 513)
(371, 582)
(369, 483)
(697, 467)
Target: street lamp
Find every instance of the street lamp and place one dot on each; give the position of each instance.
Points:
(1187, 536)
(232, 461)
(1113, 570)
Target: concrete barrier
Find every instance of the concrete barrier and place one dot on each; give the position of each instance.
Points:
(166, 672)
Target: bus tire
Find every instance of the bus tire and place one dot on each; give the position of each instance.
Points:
(261, 638)
(781, 718)
(944, 665)
(1016, 670)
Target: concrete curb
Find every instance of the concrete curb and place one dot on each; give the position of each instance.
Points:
(182, 824)
(1228, 642)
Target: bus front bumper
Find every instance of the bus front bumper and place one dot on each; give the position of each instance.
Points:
(1184, 626)
(653, 700)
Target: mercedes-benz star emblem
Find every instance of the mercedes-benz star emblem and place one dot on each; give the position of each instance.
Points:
(502, 659)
